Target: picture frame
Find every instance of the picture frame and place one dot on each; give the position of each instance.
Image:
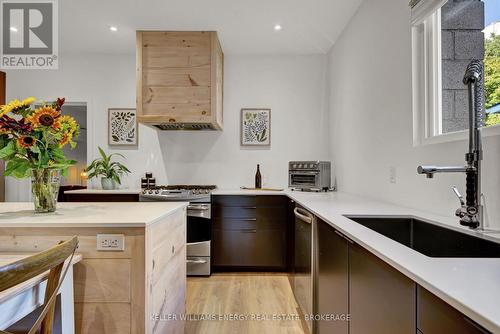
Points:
(122, 127)
(255, 127)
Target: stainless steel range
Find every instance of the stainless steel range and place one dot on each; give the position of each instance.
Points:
(199, 222)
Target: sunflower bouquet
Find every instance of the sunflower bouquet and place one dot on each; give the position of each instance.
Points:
(32, 141)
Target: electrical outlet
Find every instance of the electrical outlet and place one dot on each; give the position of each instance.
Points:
(392, 174)
(110, 242)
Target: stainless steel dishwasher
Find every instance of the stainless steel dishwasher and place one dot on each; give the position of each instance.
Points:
(303, 277)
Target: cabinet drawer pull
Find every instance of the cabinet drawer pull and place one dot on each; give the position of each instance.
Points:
(249, 231)
(245, 219)
(197, 261)
(343, 236)
(198, 207)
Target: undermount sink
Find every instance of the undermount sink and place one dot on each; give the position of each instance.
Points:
(430, 239)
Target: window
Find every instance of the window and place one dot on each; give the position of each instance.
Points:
(446, 36)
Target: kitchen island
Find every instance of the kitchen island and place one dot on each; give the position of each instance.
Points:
(133, 280)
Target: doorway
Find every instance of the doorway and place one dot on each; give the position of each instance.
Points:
(76, 176)
(75, 173)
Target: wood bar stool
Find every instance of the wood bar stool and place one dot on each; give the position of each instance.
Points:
(23, 270)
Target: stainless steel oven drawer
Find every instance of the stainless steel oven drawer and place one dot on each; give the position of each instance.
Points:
(198, 249)
(198, 266)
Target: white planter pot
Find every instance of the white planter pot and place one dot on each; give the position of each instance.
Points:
(108, 184)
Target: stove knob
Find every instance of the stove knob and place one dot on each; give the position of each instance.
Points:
(207, 191)
(311, 166)
(157, 191)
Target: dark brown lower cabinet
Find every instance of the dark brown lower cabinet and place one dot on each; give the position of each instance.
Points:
(249, 233)
(332, 283)
(434, 316)
(382, 300)
(101, 197)
(249, 248)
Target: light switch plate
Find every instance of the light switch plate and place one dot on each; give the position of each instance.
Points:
(111, 242)
(392, 174)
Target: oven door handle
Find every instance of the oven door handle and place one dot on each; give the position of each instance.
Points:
(204, 207)
(197, 261)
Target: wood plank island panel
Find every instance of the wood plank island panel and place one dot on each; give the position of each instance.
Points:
(111, 294)
(166, 279)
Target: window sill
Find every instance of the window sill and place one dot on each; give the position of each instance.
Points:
(457, 136)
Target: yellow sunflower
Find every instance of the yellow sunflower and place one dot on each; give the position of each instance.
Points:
(16, 105)
(69, 124)
(66, 138)
(26, 141)
(28, 101)
(11, 106)
(45, 116)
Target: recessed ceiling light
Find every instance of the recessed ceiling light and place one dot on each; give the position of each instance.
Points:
(13, 29)
(113, 28)
(278, 27)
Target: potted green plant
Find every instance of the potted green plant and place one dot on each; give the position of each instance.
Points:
(31, 144)
(110, 171)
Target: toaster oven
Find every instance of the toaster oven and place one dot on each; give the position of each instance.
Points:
(309, 175)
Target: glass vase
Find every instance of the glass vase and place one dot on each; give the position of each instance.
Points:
(45, 189)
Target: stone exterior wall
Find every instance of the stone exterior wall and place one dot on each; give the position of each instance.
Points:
(462, 22)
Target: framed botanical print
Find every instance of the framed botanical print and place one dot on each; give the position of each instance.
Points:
(255, 127)
(122, 127)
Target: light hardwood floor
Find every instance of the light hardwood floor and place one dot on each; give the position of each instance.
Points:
(264, 294)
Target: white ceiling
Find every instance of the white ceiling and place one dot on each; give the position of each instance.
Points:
(244, 26)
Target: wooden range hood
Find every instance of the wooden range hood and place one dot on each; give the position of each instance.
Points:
(180, 80)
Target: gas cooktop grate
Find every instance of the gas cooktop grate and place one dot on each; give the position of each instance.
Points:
(183, 187)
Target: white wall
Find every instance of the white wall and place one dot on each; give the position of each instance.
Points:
(292, 86)
(371, 119)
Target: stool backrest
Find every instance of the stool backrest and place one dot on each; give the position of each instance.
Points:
(51, 260)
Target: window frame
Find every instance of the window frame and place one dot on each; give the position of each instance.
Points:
(426, 77)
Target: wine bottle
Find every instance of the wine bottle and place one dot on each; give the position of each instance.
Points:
(258, 178)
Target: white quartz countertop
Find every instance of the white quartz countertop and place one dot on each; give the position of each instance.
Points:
(248, 192)
(104, 192)
(470, 285)
(118, 214)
